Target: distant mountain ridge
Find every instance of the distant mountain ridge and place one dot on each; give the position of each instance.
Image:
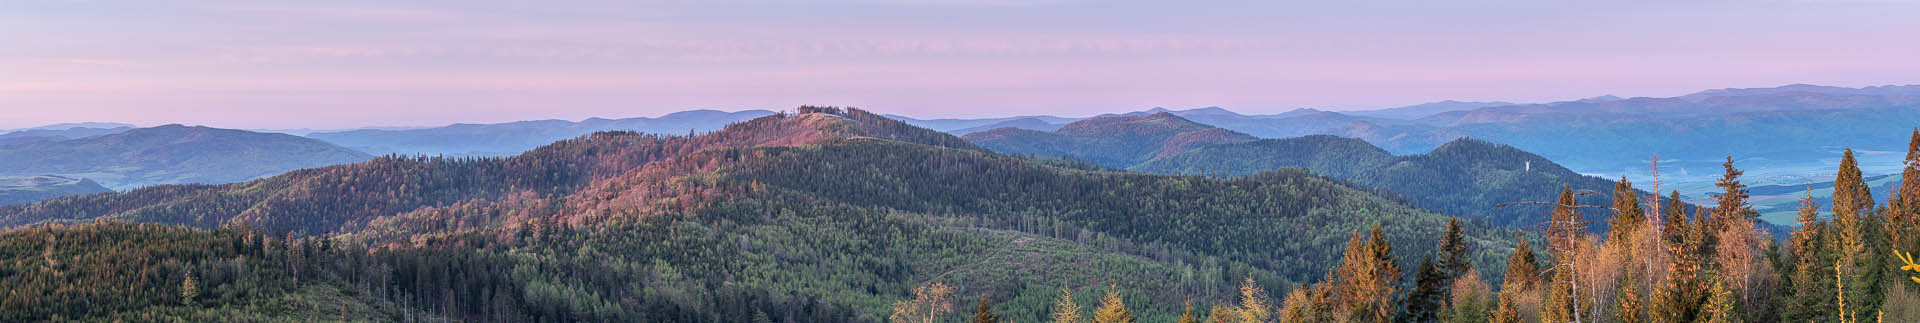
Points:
(57, 134)
(512, 138)
(171, 154)
(1113, 141)
(1152, 143)
(1465, 177)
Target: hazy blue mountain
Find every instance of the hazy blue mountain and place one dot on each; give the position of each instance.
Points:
(1465, 177)
(72, 125)
(57, 133)
(28, 189)
(956, 126)
(171, 154)
(512, 138)
(1425, 109)
(1110, 141)
(1022, 123)
(1780, 129)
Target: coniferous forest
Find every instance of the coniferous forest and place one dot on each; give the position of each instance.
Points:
(828, 214)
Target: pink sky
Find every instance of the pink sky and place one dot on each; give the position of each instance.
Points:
(251, 64)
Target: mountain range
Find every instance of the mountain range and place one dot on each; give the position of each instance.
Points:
(826, 213)
(512, 138)
(1784, 133)
(1466, 177)
(63, 131)
(170, 154)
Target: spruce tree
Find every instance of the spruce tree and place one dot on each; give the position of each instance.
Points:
(1631, 308)
(1809, 283)
(1429, 294)
(1065, 310)
(1453, 256)
(1522, 268)
(1564, 233)
(984, 312)
(1903, 211)
(1112, 309)
(1366, 279)
(1859, 241)
(1732, 202)
(1722, 306)
(1254, 303)
(1682, 294)
(1627, 216)
(1509, 309)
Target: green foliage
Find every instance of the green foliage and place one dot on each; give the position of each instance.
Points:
(1465, 177)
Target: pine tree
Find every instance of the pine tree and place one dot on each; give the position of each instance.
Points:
(1368, 278)
(1732, 202)
(1112, 309)
(1631, 308)
(1223, 313)
(1434, 279)
(1453, 256)
(1522, 268)
(1809, 286)
(1429, 294)
(1627, 216)
(1684, 291)
(1722, 305)
(1254, 305)
(1065, 310)
(1509, 309)
(1859, 239)
(1299, 306)
(189, 288)
(1564, 234)
(1737, 254)
(1903, 211)
(984, 312)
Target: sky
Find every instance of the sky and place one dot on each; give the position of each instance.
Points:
(341, 64)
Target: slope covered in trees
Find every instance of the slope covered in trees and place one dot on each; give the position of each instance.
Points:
(824, 215)
(1465, 177)
(1113, 142)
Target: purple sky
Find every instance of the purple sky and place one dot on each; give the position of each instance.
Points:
(332, 64)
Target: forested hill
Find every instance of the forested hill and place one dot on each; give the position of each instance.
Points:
(823, 215)
(1113, 142)
(1465, 177)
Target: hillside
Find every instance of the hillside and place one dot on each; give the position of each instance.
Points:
(512, 138)
(171, 154)
(825, 215)
(1113, 142)
(1496, 173)
(1464, 178)
(27, 189)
